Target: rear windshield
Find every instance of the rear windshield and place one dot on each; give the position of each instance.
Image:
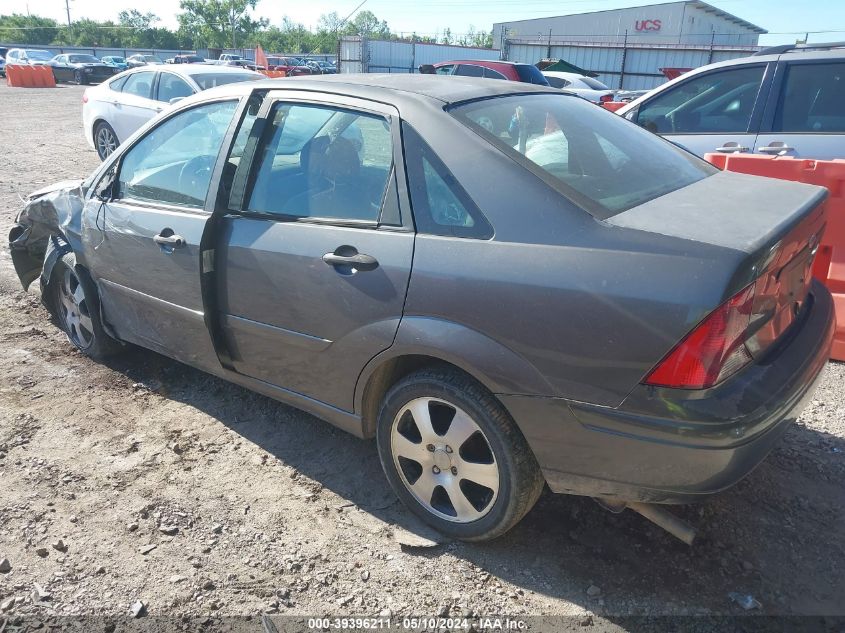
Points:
(530, 75)
(595, 84)
(212, 80)
(39, 55)
(595, 158)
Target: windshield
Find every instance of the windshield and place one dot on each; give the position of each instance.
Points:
(117, 60)
(82, 59)
(152, 58)
(603, 163)
(42, 56)
(212, 80)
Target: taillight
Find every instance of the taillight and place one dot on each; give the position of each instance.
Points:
(85, 97)
(605, 98)
(714, 350)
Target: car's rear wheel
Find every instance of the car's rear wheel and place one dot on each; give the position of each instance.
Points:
(104, 139)
(454, 456)
(76, 307)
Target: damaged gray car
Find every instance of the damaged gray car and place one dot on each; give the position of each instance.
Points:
(503, 285)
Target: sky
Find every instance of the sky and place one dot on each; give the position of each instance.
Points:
(784, 19)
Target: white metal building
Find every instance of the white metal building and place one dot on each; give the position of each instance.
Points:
(685, 22)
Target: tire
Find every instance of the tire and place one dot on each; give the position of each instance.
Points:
(76, 308)
(79, 77)
(502, 480)
(105, 140)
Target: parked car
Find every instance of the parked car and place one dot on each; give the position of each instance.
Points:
(551, 295)
(327, 68)
(292, 66)
(2, 66)
(185, 59)
(135, 61)
(112, 111)
(512, 71)
(784, 100)
(241, 63)
(629, 95)
(80, 69)
(585, 87)
(116, 61)
(229, 57)
(28, 56)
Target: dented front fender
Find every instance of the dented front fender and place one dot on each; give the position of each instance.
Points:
(55, 211)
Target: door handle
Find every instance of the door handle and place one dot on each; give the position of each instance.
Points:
(775, 147)
(168, 238)
(349, 256)
(729, 148)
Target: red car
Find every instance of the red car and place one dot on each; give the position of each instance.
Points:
(291, 65)
(512, 71)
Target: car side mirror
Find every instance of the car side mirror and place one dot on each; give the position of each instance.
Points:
(427, 69)
(107, 189)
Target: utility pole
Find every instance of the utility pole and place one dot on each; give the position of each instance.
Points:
(67, 8)
(549, 49)
(233, 24)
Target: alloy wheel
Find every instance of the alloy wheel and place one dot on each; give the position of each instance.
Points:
(106, 141)
(73, 310)
(444, 460)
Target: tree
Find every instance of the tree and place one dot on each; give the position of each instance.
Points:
(365, 23)
(219, 23)
(27, 29)
(138, 31)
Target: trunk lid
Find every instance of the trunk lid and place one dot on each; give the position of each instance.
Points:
(774, 226)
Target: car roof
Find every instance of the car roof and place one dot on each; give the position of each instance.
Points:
(393, 88)
(563, 75)
(500, 62)
(193, 69)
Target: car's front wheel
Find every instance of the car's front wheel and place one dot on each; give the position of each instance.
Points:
(76, 307)
(104, 139)
(454, 456)
(79, 77)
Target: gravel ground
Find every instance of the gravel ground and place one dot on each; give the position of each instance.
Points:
(144, 479)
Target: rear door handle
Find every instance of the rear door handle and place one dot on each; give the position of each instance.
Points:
(775, 148)
(355, 260)
(168, 238)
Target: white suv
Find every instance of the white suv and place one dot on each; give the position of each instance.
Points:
(784, 100)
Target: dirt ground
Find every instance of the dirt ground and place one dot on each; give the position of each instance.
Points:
(144, 479)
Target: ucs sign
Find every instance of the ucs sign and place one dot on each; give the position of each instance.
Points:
(648, 25)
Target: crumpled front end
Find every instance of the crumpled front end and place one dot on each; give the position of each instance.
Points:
(49, 224)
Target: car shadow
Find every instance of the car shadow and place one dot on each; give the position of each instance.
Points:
(776, 536)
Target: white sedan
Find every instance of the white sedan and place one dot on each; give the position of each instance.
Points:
(112, 111)
(585, 87)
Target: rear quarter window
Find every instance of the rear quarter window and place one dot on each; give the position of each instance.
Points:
(598, 160)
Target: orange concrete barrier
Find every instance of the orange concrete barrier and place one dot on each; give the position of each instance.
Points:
(613, 106)
(829, 265)
(30, 76)
(12, 76)
(44, 77)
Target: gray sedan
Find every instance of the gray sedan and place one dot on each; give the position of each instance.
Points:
(502, 284)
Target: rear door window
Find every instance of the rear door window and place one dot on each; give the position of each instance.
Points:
(812, 100)
(718, 102)
(470, 70)
(171, 86)
(318, 161)
(445, 70)
(139, 84)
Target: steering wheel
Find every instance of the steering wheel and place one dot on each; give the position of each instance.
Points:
(195, 175)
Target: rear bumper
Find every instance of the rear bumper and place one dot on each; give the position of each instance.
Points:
(674, 446)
